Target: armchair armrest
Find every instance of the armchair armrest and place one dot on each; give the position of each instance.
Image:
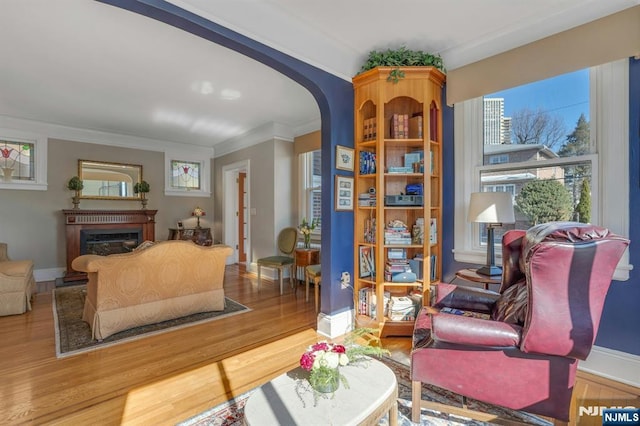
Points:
(474, 331)
(465, 298)
(85, 263)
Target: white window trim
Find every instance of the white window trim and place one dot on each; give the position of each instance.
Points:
(304, 191)
(609, 87)
(41, 143)
(204, 159)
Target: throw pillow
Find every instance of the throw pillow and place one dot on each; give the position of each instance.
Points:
(144, 245)
(511, 307)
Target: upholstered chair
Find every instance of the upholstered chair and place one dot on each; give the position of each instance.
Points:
(287, 240)
(16, 284)
(524, 353)
(313, 273)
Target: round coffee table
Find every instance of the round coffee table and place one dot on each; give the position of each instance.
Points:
(372, 392)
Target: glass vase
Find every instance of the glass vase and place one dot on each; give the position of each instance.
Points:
(327, 381)
(307, 241)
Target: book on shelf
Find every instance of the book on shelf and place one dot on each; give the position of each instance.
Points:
(370, 230)
(414, 160)
(399, 126)
(367, 162)
(417, 232)
(366, 199)
(369, 129)
(367, 301)
(415, 127)
(404, 308)
(433, 231)
(434, 261)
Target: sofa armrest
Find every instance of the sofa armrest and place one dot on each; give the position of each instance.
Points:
(465, 298)
(474, 331)
(86, 263)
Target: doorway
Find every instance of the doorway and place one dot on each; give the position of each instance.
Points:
(235, 214)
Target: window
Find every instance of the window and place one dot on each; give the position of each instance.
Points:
(185, 174)
(311, 174)
(558, 142)
(188, 174)
(22, 160)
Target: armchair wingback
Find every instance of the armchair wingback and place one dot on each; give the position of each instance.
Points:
(524, 353)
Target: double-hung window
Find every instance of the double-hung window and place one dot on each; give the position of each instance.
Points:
(311, 191)
(558, 146)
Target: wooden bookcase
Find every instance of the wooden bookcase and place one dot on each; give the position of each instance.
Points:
(395, 124)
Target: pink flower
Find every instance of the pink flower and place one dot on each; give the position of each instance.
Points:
(306, 361)
(320, 346)
(339, 349)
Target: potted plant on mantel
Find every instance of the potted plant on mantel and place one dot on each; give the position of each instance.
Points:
(401, 57)
(75, 184)
(142, 188)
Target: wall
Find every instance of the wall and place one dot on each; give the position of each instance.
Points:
(270, 175)
(32, 222)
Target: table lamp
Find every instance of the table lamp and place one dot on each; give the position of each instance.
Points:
(494, 209)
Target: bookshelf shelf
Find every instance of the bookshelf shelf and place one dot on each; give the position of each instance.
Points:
(398, 129)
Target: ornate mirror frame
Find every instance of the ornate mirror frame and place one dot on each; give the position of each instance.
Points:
(109, 181)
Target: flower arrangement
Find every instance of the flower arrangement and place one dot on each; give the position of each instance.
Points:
(306, 228)
(323, 360)
(198, 213)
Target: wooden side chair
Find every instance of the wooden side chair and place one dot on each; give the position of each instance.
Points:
(287, 240)
(312, 273)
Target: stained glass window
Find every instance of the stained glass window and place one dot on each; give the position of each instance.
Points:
(17, 160)
(185, 174)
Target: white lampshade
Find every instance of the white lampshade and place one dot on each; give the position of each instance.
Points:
(491, 207)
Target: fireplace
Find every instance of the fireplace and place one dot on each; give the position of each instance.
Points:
(105, 232)
(104, 242)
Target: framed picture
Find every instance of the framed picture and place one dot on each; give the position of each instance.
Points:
(344, 193)
(344, 158)
(367, 264)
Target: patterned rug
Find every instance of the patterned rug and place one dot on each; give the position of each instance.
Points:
(73, 336)
(231, 413)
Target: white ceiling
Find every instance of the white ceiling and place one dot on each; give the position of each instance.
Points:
(87, 65)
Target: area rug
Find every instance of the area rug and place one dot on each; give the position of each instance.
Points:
(231, 413)
(73, 336)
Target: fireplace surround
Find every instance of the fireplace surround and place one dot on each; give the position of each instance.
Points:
(104, 232)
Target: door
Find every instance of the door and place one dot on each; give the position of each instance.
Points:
(242, 214)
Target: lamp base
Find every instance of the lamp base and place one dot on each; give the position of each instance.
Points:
(489, 270)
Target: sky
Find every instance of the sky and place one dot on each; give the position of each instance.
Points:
(566, 95)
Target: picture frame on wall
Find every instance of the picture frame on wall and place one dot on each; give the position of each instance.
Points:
(344, 193)
(344, 158)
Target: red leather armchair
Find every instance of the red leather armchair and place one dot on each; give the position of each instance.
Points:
(544, 319)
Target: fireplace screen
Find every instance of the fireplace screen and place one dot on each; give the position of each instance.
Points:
(104, 242)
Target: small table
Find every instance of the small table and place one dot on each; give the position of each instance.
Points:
(200, 236)
(472, 276)
(304, 258)
(373, 391)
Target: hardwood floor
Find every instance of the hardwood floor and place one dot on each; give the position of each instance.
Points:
(170, 377)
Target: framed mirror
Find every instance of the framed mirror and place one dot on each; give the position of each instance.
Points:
(109, 181)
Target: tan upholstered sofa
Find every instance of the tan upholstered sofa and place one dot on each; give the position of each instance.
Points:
(169, 279)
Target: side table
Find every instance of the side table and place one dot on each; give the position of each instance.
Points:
(373, 392)
(474, 277)
(200, 236)
(304, 258)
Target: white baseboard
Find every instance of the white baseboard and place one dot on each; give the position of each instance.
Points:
(48, 274)
(335, 325)
(611, 364)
